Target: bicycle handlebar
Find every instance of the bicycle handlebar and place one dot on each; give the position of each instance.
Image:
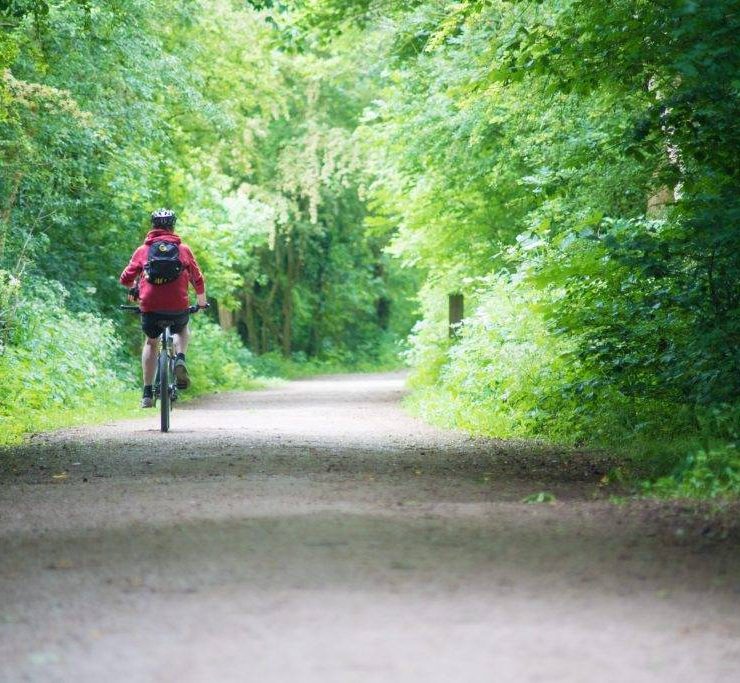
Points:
(190, 309)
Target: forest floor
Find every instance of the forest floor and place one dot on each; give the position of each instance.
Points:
(317, 532)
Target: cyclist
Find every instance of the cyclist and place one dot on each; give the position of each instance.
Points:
(158, 276)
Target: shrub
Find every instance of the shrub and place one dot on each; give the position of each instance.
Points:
(57, 362)
(217, 360)
(511, 374)
(61, 367)
(706, 473)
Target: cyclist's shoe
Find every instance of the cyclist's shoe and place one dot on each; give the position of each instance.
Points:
(182, 379)
(147, 402)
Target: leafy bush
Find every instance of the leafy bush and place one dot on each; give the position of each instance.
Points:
(710, 473)
(9, 291)
(579, 188)
(385, 354)
(57, 363)
(505, 376)
(217, 360)
(511, 373)
(60, 367)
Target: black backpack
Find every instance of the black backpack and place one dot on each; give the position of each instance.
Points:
(163, 263)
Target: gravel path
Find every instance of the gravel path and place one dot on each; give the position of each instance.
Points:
(316, 532)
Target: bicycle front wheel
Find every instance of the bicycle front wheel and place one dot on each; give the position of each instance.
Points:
(164, 390)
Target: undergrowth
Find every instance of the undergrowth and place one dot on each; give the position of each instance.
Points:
(507, 375)
(384, 356)
(61, 368)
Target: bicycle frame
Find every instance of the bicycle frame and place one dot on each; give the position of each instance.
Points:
(165, 389)
(166, 346)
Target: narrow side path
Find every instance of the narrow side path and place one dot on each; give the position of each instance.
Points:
(317, 532)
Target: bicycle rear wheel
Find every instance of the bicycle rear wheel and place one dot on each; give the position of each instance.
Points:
(164, 390)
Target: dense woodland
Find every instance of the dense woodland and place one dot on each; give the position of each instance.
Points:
(568, 166)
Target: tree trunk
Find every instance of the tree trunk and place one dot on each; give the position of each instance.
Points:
(662, 198)
(287, 313)
(251, 323)
(317, 320)
(225, 317)
(456, 307)
(287, 305)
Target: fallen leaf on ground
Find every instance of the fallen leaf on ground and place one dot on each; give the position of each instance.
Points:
(61, 564)
(541, 497)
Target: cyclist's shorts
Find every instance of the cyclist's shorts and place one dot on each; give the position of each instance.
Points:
(154, 323)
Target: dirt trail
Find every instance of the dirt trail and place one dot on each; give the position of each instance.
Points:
(316, 532)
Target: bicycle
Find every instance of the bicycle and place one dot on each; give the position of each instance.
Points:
(165, 388)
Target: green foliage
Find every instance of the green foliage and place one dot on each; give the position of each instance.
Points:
(380, 355)
(485, 382)
(217, 360)
(62, 368)
(711, 473)
(569, 167)
(108, 110)
(57, 363)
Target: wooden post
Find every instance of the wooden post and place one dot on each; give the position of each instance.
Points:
(456, 310)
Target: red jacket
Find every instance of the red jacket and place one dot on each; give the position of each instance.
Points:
(169, 297)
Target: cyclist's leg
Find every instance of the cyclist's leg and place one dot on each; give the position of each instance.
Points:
(149, 354)
(180, 339)
(149, 366)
